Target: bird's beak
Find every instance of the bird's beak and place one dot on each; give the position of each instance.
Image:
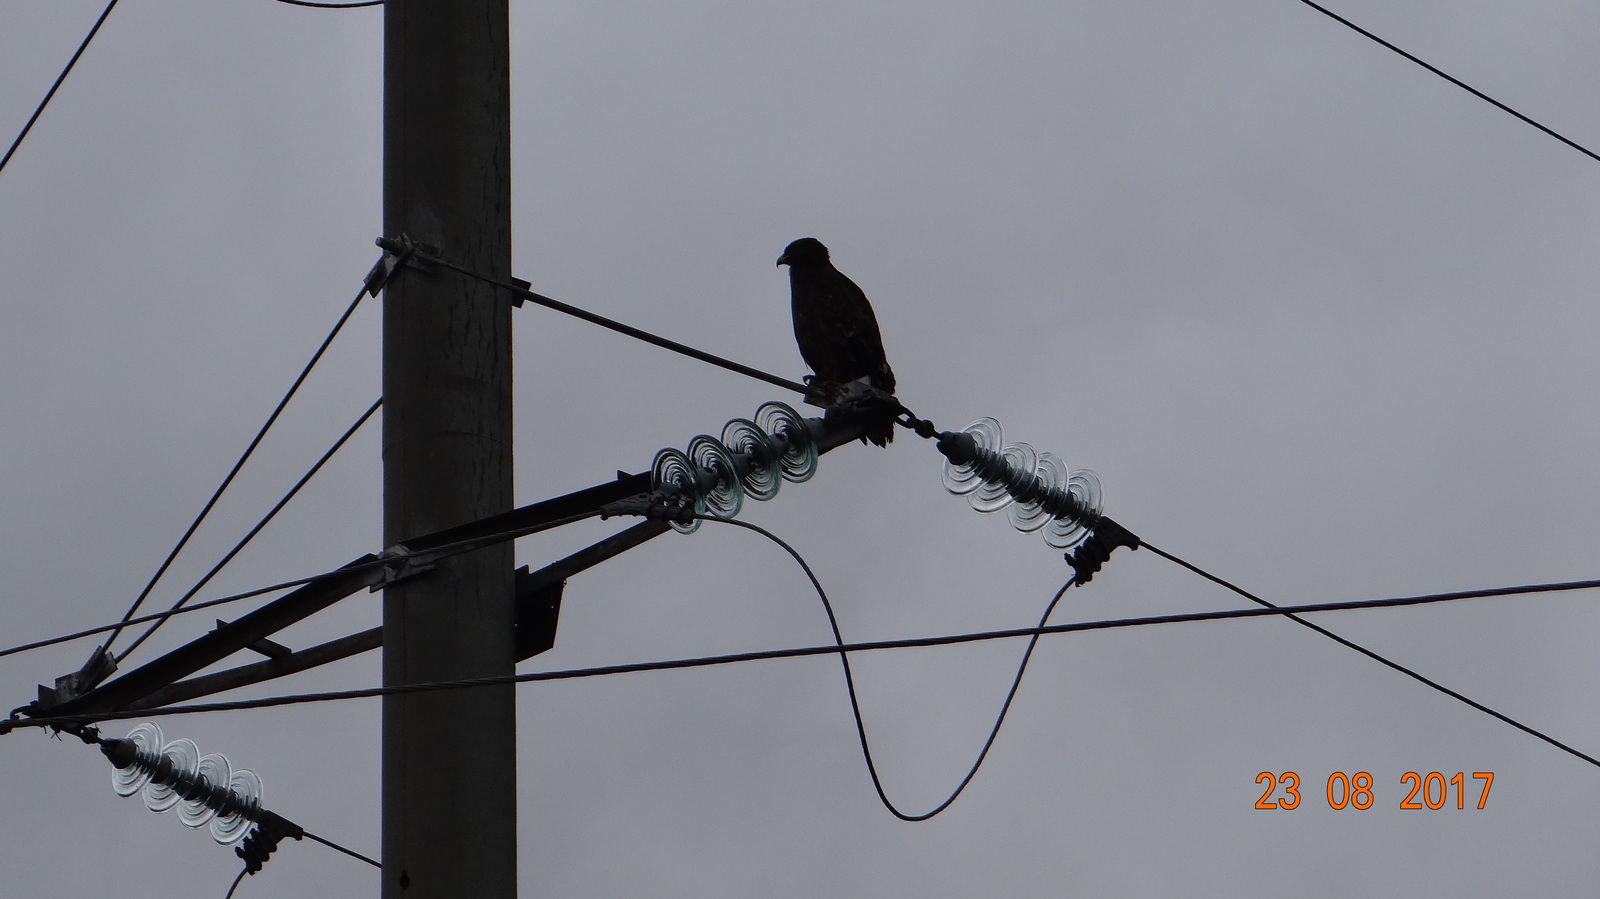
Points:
(782, 260)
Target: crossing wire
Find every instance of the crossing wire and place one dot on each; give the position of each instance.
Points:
(245, 540)
(7, 726)
(226, 481)
(1290, 614)
(438, 552)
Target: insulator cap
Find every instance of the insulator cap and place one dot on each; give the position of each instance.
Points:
(674, 478)
(762, 476)
(798, 458)
(719, 476)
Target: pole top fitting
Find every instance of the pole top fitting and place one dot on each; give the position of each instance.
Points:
(398, 251)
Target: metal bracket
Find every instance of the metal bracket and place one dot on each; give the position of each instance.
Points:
(522, 286)
(402, 250)
(538, 610)
(101, 665)
(400, 563)
(851, 396)
(399, 251)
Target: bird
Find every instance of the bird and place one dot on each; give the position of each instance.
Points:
(835, 328)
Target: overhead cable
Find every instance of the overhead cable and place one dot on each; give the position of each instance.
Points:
(772, 654)
(59, 78)
(424, 255)
(1395, 602)
(855, 705)
(245, 540)
(332, 5)
(1453, 80)
(1290, 612)
(388, 560)
(236, 881)
(196, 607)
(256, 441)
(350, 852)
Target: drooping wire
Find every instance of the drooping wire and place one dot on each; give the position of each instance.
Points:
(243, 541)
(226, 481)
(1290, 614)
(59, 78)
(236, 882)
(1453, 80)
(850, 684)
(333, 5)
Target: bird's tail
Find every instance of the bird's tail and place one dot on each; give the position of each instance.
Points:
(880, 431)
(879, 424)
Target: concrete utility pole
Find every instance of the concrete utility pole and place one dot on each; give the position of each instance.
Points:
(449, 759)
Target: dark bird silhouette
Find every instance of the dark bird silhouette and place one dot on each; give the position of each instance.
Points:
(835, 328)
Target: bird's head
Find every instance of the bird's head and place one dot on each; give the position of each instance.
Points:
(803, 251)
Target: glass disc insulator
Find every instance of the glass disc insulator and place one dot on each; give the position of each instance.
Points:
(1051, 473)
(782, 423)
(1084, 487)
(993, 496)
(762, 476)
(214, 774)
(674, 473)
(246, 789)
(725, 498)
(963, 479)
(147, 740)
(184, 758)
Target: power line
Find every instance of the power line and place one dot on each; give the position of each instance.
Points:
(1289, 612)
(59, 78)
(350, 852)
(310, 836)
(855, 705)
(1453, 80)
(256, 441)
(773, 654)
(521, 291)
(245, 540)
(236, 882)
(443, 550)
(1034, 640)
(332, 5)
(39, 644)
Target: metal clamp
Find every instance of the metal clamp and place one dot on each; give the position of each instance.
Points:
(400, 564)
(398, 251)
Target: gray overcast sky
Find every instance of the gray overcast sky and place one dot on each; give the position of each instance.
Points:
(1323, 323)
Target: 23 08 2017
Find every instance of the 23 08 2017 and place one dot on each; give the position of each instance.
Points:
(1433, 790)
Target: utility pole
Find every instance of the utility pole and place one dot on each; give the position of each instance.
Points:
(449, 759)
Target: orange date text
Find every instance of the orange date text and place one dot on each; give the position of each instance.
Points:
(1433, 790)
